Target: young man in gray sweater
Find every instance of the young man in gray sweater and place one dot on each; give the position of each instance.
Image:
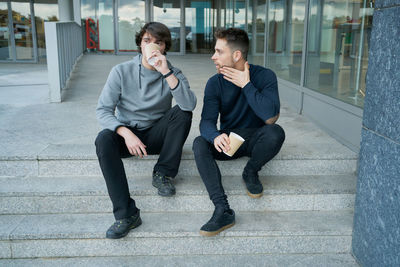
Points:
(135, 111)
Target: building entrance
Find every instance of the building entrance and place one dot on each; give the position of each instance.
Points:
(192, 23)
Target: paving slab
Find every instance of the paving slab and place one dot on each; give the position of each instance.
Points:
(185, 185)
(297, 260)
(188, 167)
(183, 224)
(43, 195)
(171, 233)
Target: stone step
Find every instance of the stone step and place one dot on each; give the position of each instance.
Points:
(73, 159)
(276, 260)
(39, 195)
(171, 233)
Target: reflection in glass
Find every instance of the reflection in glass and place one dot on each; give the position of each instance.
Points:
(106, 26)
(130, 20)
(43, 13)
(229, 13)
(337, 54)
(89, 11)
(285, 40)
(5, 39)
(22, 29)
(169, 13)
(257, 33)
(240, 14)
(200, 24)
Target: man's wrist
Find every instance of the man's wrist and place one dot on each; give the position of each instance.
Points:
(164, 72)
(169, 73)
(244, 85)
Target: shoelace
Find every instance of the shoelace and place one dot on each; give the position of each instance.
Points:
(165, 180)
(118, 224)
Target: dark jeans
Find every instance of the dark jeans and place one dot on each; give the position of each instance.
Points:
(166, 137)
(261, 145)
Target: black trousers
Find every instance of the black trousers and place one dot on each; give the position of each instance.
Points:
(261, 145)
(166, 137)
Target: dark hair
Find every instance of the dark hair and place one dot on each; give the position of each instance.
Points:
(158, 30)
(237, 39)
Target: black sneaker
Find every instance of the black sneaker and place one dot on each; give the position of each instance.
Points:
(122, 227)
(163, 184)
(221, 219)
(253, 184)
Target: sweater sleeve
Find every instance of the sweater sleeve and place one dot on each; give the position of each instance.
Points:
(184, 97)
(109, 97)
(264, 101)
(210, 112)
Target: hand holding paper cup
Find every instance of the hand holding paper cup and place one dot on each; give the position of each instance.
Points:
(149, 51)
(235, 142)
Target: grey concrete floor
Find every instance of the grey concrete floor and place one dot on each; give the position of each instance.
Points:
(23, 84)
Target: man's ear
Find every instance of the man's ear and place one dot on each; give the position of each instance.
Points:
(237, 55)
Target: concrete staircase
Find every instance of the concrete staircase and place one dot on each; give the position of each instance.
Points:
(54, 208)
(57, 207)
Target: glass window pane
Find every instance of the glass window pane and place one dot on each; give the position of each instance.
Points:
(199, 26)
(240, 14)
(89, 14)
(257, 33)
(169, 13)
(5, 38)
(285, 40)
(337, 54)
(22, 29)
(106, 26)
(229, 13)
(44, 12)
(131, 15)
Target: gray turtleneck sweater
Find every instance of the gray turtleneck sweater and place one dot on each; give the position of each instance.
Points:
(137, 97)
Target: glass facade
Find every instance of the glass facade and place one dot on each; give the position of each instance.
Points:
(22, 29)
(169, 13)
(200, 25)
(129, 24)
(336, 54)
(337, 51)
(5, 36)
(256, 31)
(285, 39)
(317, 45)
(44, 11)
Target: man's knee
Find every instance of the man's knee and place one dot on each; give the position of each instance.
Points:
(274, 133)
(200, 145)
(183, 115)
(105, 138)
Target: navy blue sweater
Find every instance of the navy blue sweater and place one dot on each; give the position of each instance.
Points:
(239, 108)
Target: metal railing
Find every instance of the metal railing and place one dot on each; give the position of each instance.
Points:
(64, 48)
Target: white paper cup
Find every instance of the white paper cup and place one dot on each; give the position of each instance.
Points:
(148, 50)
(235, 142)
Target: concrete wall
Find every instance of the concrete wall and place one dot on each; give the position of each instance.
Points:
(376, 236)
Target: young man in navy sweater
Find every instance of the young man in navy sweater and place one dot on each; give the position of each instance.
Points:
(247, 101)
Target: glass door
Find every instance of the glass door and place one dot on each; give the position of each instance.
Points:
(200, 25)
(5, 36)
(169, 13)
(23, 30)
(131, 14)
(105, 26)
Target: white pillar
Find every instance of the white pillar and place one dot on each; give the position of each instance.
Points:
(53, 64)
(66, 10)
(77, 11)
